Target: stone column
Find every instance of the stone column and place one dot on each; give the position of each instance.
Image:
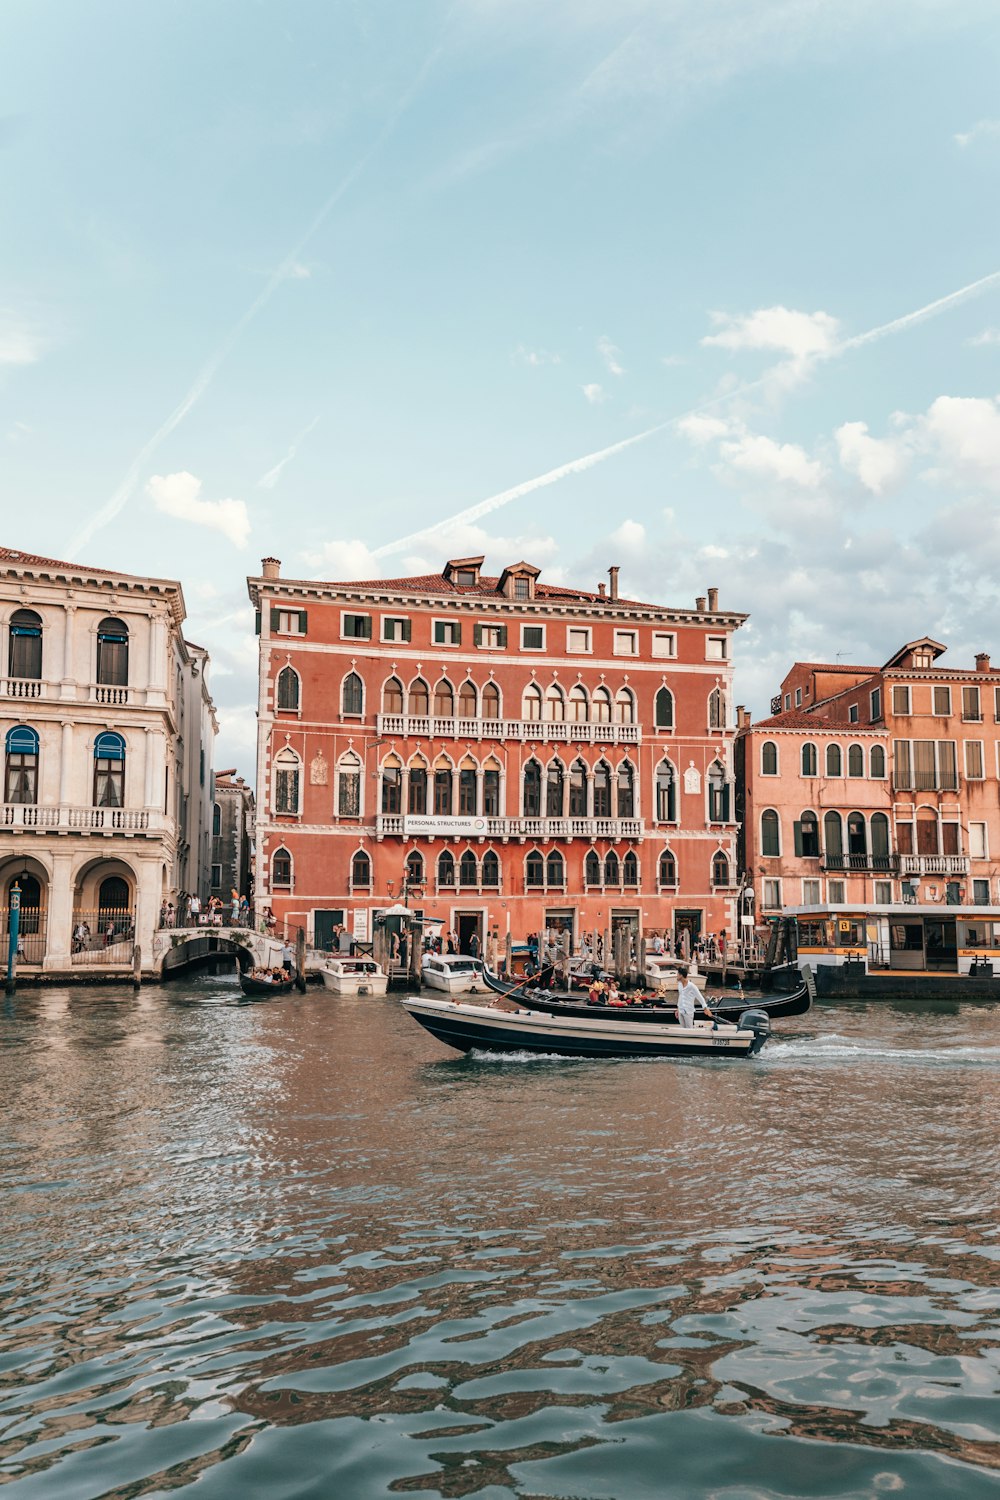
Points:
(59, 933)
(67, 686)
(149, 745)
(66, 764)
(156, 664)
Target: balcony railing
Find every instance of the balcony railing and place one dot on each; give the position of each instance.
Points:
(38, 687)
(26, 687)
(533, 828)
(419, 726)
(81, 819)
(881, 864)
(934, 864)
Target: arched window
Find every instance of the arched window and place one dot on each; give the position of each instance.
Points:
(592, 868)
(810, 762)
(555, 703)
(554, 780)
(216, 820)
(281, 870)
(414, 868)
(833, 837)
(416, 796)
(349, 786)
(419, 697)
(626, 790)
(113, 898)
(769, 758)
(630, 870)
(834, 761)
(577, 710)
(667, 869)
(392, 696)
(491, 871)
(109, 770)
(876, 762)
(720, 868)
(857, 835)
(625, 706)
(468, 792)
(443, 784)
(446, 868)
(601, 706)
(612, 869)
(880, 841)
(353, 696)
(468, 870)
(770, 833)
(491, 789)
(21, 772)
(855, 760)
(288, 690)
(361, 872)
(444, 700)
(490, 708)
(534, 871)
(531, 703)
(392, 787)
(555, 871)
(532, 807)
(666, 793)
(578, 790)
(112, 653)
(718, 793)
(468, 703)
(602, 790)
(31, 901)
(664, 708)
(24, 655)
(807, 836)
(286, 781)
(716, 709)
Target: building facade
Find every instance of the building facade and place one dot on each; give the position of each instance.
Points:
(232, 837)
(507, 755)
(108, 729)
(872, 788)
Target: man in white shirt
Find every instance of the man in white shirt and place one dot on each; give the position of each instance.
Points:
(689, 997)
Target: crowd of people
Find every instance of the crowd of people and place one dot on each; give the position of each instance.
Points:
(190, 911)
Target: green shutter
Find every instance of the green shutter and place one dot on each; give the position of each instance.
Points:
(458, 633)
(798, 836)
(477, 634)
(503, 636)
(274, 619)
(303, 621)
(406, 629)
(256, 625)
(366, 627)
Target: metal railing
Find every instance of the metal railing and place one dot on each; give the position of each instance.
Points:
(32, 927)
(887, 864)
(104, 936)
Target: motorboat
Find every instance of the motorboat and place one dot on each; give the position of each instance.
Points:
(663, 972)
(353, 976)
(454, 973)
(497, 1027)
(637, 1005)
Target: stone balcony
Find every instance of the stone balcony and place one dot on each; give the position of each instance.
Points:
(521, 829)
(39, 689)
(934, 864)
(410, 726)
(30, 818)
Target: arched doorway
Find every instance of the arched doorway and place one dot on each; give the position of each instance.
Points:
(30, 878)
(103, 913)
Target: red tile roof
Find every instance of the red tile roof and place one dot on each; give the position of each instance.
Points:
(833, 666)
(794, 718)
(32, 560)
(486, 588)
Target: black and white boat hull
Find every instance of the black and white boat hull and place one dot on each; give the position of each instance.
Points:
(467, 1027)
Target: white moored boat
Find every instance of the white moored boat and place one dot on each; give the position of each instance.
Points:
(485, 1028)
(354, 976)
(455, 973)
(662, 972)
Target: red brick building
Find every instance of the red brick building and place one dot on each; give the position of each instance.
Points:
(518, 754)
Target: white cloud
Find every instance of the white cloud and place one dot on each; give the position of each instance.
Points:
(20, 344)
(595, 394)
(762, 457)
(177, 495)
(629, 538)
(298, 272)
(702, 430)
(964, 433)
(986, 339)
(534, 357)
(611, 355)
(354, 559)
(781, 329)
(982, 129)
(878, 463)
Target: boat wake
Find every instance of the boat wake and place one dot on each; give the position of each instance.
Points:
(837, 1048)
(483, 1055)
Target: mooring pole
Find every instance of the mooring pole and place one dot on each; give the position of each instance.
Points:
(14, 928)
(300, 961)
(136, 966)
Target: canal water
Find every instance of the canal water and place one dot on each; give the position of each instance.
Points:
(296, 1250)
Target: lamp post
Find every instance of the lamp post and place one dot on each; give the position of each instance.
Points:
(14, 927)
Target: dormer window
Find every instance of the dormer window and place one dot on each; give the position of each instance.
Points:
(922, 659)
(466, 578)
(518, 581)
(522, 587)
(463, 572)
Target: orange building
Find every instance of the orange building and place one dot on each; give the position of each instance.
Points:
(509, 754)
(873, 788)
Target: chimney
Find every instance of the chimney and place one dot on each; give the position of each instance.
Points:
(270, 567)
(982, 661)
(742, 717)
(713, 600)
(613, 575)
(699, 604)
(602, 590)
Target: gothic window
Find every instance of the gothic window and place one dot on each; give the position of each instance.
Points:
(531, 703)
(467, 790)
(353, 696)
(578, 790)
(361, 872)
(534, 871)
(577, 711)
(718, 794)
(446, 868)
(601, 706)
(602, 790)
(592, 868)
(612, 869)
(532, 789)
(666, 793)
(442, 792)
(716, 709)
(491, 793)
(468, 870)
(491, 871)
(554, 790)
(667, 868)
(664, 708)
(349, 787)
(392, 696)
(419, 698)
(555, 871)
(416, 801)
(630, 870)
(468, 707)
(624, 706)
(444, 700)
(392, 789)
(555, 703)
(281, 870)
(720, 869)
(626, 790)
(491, 701)
(288, 690)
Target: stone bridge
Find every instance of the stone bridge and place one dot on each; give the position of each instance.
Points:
(176, 949)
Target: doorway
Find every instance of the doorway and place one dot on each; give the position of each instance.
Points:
(688, 922)
(467, 923)
(323, 924)
(941, 945)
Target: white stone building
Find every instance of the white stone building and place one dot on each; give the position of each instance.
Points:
(107, 731)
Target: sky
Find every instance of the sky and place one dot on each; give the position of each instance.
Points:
(708, 289)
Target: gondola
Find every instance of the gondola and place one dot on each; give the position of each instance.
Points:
(730, 1004)
(262, 989)
(488, 1028)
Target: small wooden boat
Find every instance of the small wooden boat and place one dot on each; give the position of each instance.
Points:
(265, 989)
(489, 1028)
(454, 973)
(354, 976)
(727, 1003)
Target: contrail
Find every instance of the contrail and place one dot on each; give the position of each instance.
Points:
(269, 480)
(590, 460)
(206, 374)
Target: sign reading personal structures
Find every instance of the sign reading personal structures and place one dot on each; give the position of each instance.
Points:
(459, 828)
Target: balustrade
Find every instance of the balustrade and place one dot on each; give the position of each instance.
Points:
(81, 819)
(541, 731)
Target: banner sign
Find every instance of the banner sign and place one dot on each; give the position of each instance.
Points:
(459, 828)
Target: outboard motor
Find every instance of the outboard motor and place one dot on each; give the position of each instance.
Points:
(759, 1022)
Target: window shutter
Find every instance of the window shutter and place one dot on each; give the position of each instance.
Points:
(477, 634)
(303, 621)
(366, 627)
(274, 619)
(797, 825)
(458, 633)
(257, 623)
(406, 624)
(503, 636)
